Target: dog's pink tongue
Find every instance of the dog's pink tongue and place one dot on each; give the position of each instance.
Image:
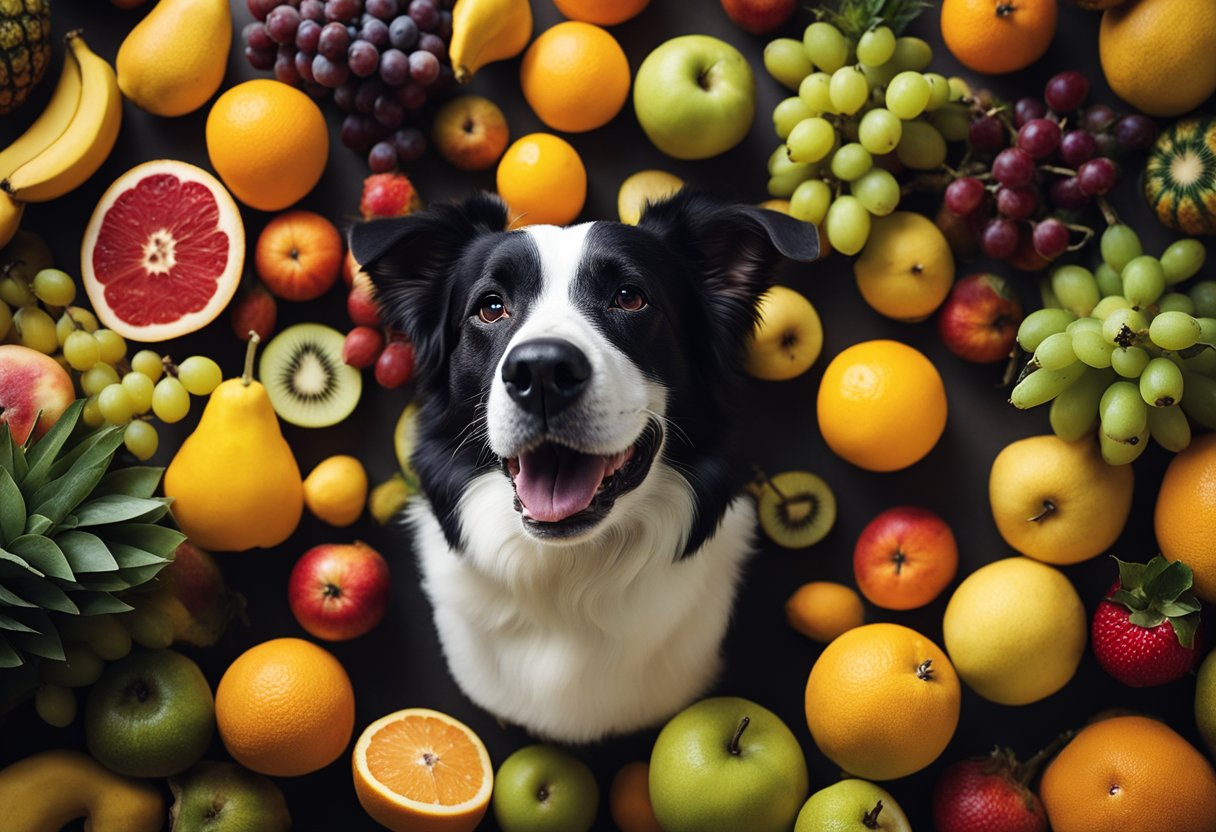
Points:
(554, 483)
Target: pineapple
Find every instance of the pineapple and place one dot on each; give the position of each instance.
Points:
(25, 49)
(74, 532)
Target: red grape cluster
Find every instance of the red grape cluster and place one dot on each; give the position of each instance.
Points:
(1033, 168)
(370, 343)
(380, 59)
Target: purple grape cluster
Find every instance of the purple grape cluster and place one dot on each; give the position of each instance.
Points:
(1040, 163)
(380, 59)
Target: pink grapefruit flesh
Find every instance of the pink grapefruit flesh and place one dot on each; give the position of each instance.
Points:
(163, 253)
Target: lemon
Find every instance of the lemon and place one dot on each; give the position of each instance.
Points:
(1015, 630)
(336, 490)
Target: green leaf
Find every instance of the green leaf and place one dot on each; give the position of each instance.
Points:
(46, 595)
(1185, 605)
(136, 481)
(7, 557)
(1146, 618)
(1131, 575)
(59, 497)
(1129, 599)
(132, 556)
(9, 658)
(1185, 628)
(7, 623)
(6, 449)
(42, 553)
(37, 524)
(11, 599)
(86, 446)
(118, 508)
(1170, 581)
(12, 508)
(86, 552)
(43, 640)
(44, 452)
(140, 575)
(101, 603)
(161, 541)
(106, 582)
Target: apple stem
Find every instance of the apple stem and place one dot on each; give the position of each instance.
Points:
(247, 376)
(924, 671)
(898, 559)
(1025, 772)
(332, 591)
(733, 748)
(1049, 507)
(870, 819)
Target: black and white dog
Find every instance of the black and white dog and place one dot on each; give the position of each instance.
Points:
(580, 540)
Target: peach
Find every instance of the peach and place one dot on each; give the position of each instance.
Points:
(32, 384)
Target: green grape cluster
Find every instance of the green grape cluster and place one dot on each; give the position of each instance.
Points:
(856, 100)
(1122, 349)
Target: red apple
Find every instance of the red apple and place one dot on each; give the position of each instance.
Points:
(759, 16)
(339, 591)
(31, 383)
(979, 320)
(470, 132)
(904, 558)
(254, 309)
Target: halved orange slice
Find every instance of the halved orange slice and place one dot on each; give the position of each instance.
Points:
(419, 770)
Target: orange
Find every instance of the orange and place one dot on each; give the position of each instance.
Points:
(1157, 55)
(995, 36)
(268, 142)
(298, 255)
(629, 799)
(1185, 517)
(882, 405)
(575, 76)
(285, 707)
(1129, 772)
(543, 180)
(603, 12)
(419, 770)
(822, 610)
(882, 701)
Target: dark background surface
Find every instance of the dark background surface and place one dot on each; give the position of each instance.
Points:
(399, 664)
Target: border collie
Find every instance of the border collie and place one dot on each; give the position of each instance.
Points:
(581, 535)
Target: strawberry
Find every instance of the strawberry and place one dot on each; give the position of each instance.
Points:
(989, 794)
(388, 195)
(1146, 630)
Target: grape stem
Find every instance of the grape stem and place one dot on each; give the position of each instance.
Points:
(1062, 171)
(1108, 211)
(1086, 234)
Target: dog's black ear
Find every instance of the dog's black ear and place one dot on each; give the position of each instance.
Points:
(410, 260)
(735, 247)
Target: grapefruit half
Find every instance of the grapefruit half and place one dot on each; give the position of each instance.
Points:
(163, 251)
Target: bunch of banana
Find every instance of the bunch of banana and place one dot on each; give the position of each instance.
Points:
(485, 31)
(68, 142)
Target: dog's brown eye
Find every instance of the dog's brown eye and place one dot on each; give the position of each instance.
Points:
(629, 298)
(491, 308)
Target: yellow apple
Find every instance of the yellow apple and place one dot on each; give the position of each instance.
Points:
(643, 188)
(787, 338)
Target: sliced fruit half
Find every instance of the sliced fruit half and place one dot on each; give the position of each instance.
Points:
(306, 379)
(163, 252)
(643, 188)
(796, 509)
(422, 769)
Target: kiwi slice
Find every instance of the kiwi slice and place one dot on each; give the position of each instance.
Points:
(796, 509)
(306, 379)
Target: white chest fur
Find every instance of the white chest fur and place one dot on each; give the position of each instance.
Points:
(576, 642)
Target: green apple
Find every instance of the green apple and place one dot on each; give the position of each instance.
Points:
(727, 764)
(542, 788)
(224, 797)
(150, 714)
(1205, 701)
(695, 97)
(852, 806)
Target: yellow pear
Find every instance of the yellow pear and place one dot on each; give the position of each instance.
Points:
(234, 482)
(174, 60)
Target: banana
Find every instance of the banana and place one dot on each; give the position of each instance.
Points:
(86, 142)
(484, 31)
(50, 125)
(10, 217)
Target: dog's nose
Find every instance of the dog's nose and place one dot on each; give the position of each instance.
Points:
(545, 375)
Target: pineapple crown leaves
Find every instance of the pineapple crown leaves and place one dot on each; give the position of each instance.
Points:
(1159, 591)
(73, 532)
(856, 17)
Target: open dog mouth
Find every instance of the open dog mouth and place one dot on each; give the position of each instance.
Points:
(561, 491)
